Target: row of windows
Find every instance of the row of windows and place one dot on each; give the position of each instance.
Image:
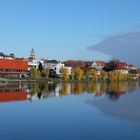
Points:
(10, 76)
(8, 70)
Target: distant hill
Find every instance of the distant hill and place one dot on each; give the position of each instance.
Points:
(124, 46)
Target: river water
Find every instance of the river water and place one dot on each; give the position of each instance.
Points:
(70, 111)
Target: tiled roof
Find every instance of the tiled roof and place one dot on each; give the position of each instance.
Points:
(15, 64)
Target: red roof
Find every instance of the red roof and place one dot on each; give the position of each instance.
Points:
(100, 63)
(120, 66)
(74, 63)
(16, 64)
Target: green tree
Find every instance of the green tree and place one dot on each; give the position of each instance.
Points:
(40, 67)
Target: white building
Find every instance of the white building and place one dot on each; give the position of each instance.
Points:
(123, 71)
(132, 67)
(33, 62)
(121, 68)
(99, 65)
(56, 66)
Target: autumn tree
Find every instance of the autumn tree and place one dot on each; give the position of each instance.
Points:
(112, 76)
(73, 74)
(35, 73)
(103, 76)
(94, 74)
(77, 74)
(118, 76)
(64, 73)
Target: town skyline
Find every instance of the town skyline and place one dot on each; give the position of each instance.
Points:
(52, 28)
(69, 69)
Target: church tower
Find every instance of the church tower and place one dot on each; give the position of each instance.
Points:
(32, 54)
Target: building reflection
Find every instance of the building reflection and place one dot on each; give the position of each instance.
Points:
(112, 91)
(12, 93)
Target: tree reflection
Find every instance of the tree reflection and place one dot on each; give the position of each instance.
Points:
(64, 90)
(112, 90)
(77, 88)
(115, 89)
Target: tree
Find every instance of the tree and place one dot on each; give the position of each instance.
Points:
(93, 74)
(118, 76)
(38, 74)
(73, 74)
(35, 73)
(45, 73)
(64, 73)
(112, 76)
(103, 76)
(77, 74)
(40, 67)
(110, 65)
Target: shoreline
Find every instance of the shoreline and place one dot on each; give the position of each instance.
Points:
(57, 80)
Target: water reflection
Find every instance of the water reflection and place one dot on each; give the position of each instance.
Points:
(13, 93)
(113, 91)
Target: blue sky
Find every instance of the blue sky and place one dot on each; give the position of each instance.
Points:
(63, 29)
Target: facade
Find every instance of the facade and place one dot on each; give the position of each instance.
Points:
(123, 71)
(134, 74)
(121, 67)
(34, 63)
(132, 67)
(99, 65)
(13, 67)
(54, 66)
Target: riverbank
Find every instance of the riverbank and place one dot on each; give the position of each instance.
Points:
(56, 80)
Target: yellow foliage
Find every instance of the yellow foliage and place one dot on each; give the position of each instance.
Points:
(77, 88)
(103, 75)
(118, 76)
(93, 74)
(77, 74)
(35, 89)
(64, 90)
(35, 73)
(64, 73)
